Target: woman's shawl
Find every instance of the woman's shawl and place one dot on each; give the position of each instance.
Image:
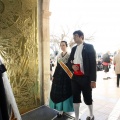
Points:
(62, 61)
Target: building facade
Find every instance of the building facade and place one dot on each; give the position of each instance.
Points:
(24, 47)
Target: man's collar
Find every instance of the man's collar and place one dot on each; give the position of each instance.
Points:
(80, 44)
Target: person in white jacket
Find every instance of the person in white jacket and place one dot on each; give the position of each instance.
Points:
(11, 103)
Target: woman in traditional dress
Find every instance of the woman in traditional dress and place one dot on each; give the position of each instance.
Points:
(61, 95)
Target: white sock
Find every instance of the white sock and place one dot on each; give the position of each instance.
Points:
(61, 112)
(76, 109)
(90, 108)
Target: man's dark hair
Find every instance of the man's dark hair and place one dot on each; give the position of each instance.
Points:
(65, 43)
(80, 33)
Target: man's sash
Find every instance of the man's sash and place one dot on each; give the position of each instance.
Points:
(66, 69)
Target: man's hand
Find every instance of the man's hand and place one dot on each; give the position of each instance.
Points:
(75, 67)
(52, 78)
(93, 84)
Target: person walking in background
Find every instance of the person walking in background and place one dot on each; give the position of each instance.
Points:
(61, 94)
(82, 62)
(106, 63)
(115, 53)
(116, 62)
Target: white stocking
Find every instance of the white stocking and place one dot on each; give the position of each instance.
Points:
(90, 108)
(76, 109)
(61, 112)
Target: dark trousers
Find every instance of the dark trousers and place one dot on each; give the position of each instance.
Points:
(0, 115)
(118, 79)
(81, 84)
(106, 68)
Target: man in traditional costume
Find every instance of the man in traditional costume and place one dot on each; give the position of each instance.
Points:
(82, 62)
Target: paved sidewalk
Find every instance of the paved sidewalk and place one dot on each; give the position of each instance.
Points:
(106, 98)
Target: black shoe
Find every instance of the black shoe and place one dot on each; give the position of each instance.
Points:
(105, 78)
(89, 118)
(117, 85)
(109, 77)
(59, 115)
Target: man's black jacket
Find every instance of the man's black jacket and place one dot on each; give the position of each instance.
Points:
(89, 60)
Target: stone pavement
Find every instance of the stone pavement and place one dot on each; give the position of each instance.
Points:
(106, 98)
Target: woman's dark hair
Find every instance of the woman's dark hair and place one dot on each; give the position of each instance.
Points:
(80, 33)
(64, 42)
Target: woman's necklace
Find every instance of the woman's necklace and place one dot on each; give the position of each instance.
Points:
(63, 54)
